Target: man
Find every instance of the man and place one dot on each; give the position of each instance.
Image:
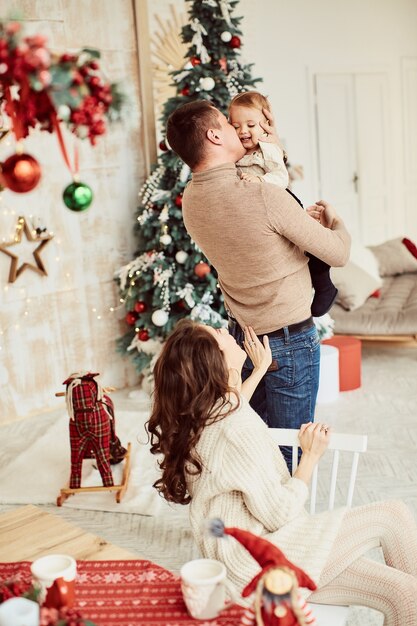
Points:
(255, 236)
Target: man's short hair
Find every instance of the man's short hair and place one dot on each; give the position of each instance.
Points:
(187, 129)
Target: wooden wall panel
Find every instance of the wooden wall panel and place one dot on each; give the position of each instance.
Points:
(53, 325)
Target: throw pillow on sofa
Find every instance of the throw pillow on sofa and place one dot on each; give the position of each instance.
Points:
(395, 257)
(355, 285)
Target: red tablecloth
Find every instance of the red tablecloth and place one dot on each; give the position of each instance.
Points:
(128, 593)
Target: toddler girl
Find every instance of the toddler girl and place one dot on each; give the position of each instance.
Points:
(265, 161)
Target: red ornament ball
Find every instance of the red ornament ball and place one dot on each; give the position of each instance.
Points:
(140, 306)
(163, 146)
(20, 173)
(202, 269)
(195, 61)
(185, 91)
(235, 42)
(130, 318)
(178, 201)
(143, 334)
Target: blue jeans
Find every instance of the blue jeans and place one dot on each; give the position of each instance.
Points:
(286, 397)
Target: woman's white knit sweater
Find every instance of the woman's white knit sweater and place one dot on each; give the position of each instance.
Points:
(245, 482)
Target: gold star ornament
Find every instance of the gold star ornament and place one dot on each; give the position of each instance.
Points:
(22, 227)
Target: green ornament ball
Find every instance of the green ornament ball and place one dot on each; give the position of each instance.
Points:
(78, 196)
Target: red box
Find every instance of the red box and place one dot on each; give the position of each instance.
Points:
(350, 358)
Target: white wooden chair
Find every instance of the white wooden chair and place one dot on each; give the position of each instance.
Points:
(328, 615)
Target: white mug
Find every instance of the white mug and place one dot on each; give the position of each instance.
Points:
(55, 573)
(203, 588)
(19, 612)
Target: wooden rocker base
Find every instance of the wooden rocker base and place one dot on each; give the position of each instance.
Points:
(66, 492)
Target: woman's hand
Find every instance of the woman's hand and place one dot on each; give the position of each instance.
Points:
(314, 438)
(259, 354)
(261, 357)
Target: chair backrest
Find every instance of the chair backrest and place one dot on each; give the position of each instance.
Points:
(338, 443)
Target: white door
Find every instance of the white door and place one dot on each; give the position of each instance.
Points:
(352, 134)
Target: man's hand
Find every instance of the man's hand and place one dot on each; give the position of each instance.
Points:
(315, 211)
(328, 214)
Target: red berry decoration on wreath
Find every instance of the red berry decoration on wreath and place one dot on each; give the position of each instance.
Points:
(163, 146)
(143, 334)
(20, 173)
(195, 61)
(130, 318)
(178, 201)
(185, 91)
(202, 269)
(235, 42)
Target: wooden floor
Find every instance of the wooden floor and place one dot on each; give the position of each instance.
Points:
(385, 408)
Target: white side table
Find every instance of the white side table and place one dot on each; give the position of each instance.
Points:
(329, 375)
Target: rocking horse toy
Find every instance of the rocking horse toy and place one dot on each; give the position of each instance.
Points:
(92, 435)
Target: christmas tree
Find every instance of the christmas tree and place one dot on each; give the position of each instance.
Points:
(170, 278)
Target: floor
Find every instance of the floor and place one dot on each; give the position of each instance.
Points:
(385, 408)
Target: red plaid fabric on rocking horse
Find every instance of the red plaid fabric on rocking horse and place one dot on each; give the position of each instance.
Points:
(90, 426)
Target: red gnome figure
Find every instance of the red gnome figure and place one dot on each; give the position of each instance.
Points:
(277, 599)
(90, 426)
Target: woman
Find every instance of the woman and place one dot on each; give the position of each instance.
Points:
(218, 455)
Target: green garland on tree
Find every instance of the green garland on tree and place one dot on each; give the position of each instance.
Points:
(170, 278)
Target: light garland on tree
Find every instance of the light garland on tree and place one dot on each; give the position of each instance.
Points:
(161, 279)
(138, 265)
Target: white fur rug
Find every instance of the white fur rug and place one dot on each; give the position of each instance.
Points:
(37, 472)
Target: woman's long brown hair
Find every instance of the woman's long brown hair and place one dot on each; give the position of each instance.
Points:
(191, 390)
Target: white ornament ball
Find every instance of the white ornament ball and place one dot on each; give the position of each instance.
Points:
(160, 317)
(226, 36)
(207, 83)
(165, 239)
(181, 257)
(64, 112)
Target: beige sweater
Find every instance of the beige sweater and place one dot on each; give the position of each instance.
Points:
(245, 482)
(255, 236)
